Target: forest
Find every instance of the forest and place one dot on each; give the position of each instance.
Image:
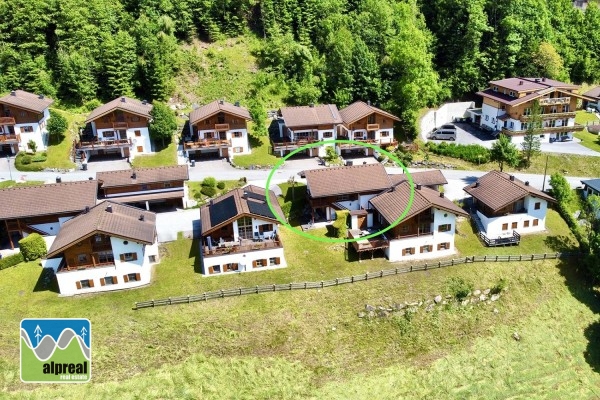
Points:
(402, 55)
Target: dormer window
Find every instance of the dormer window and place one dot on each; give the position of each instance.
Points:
(495, 88)
(511, 94)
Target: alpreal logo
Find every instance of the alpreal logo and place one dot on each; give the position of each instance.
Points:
(56, 350)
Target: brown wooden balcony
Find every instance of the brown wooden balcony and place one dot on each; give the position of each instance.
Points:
(545, 130)
(120, 125)
(383, 142)
(288, 144)
(370, 244)
(547, 116)
(246, 245)
(10, 138)
(206, 144)
(102, 144)
(7, 121)
(93, 261)
(221, 127)
(547, 101)
(372, 127)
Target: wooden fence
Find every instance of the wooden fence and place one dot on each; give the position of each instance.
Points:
(218, 294)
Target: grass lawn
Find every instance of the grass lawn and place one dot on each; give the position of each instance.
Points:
(11, 184)
(260, 153)
(196, 186)
(162, 158)
(310, 344)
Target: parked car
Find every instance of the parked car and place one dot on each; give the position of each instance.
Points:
(445, 132)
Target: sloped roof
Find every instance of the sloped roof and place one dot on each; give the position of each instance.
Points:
(27, 101)
(595, 92)
(425, 178)
(218, 106)
(536, 86)
(122, 221)
(593, 183)
(359, 110)
(56, 198)
(391, 203)
(343, 180)
(126, 177)
(249, 200)
(323, 114)
(496, 190)
(123, 103)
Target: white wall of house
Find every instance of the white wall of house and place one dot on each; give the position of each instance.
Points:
(51, 228)
(489, 117)
(441, 217)
(39, 134)
(244, 260)
(444, 115)
(142, 141)
(493, 226)
(236, 143)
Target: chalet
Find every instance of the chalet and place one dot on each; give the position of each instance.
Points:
(218, 129)
(593, 97)
(367, 124)
(43, 209)
(299, 126)
(505, 208)
(426, 231)
(107, 247)
(117, 127)
(145, 187)
(591, 187)
(23, 117)
(240, 232)
(508, 105)
(433, 179)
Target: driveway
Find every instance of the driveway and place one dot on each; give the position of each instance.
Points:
(168, 224)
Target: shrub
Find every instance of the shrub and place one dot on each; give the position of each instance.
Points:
(209, 191)
(499, 286)
(39, 158)
(26, 159)
(459, 287)
(32, 247)
(221, 185)
(340, 223)
(472, 153)
(10, 261)
(23, 162)
(32, 145)
(286, 208)
(209, 182)
(92, 104)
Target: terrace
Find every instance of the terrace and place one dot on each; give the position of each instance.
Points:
(379, 242)
(91, 260)
(206, 144)
(547, 129)
(229, 246)
(8, 138)
(94, 143)
(287, 143)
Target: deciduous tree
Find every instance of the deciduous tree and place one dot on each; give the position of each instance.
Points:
(504, 152)
(163, 123)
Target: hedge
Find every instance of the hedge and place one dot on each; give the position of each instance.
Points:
(33, 247)
(473, 153)
(11, 261)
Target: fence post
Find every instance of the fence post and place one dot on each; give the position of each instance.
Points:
(136, 303)
(453, 262)
(337, 282)
(222, 295)
(273, 287)
(557, 254)
(290, 286)
(188, 299)
(520, 257)
(204, 294)
(396, 270)
(411, 268)
(321, 284)
(256, 289)
(532, 257)
(352, 279)
(152, 302)
(544, 256)
(240, 291)
(304, 285)
(381, 274)
(425, 266)
(496, 258)
(485, 258)
(439, 264)
(169, 301)
(367, 276)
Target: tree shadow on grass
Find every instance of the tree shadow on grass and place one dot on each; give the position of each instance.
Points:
(592, 352)
(46, 282)
(254, 141)
(561, 243)
(196, 254)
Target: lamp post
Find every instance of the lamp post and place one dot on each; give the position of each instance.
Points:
(9, 170)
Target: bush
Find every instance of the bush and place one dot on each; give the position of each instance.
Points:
(92, 104)
(499, 286)
(32, 145)
(221, 185)
(11, 261)
(459, 287)
(340, 223)
(33, 247)
(472, 153)
(209, 191)
(286, 208)
(26, 159)
(209, 182)
(39, 158)
(24, 162)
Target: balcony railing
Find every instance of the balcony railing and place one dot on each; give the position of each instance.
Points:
(378, 142)
(221, 127)
(120, 125)
(102, 144)
(292, 144)
(545, 116)
(544, 130)
(94, 262)
(10, 138)
(7, 121)
(372, 127)
(236, 247)
(557, 100)
(206, 143)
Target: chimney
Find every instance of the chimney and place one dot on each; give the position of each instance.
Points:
(13, 93)
(442, 195)
(141, 217)
(144, 102)
(109, 208)
(221, 101)
(368, 102)
(544, 79)
(418, 186)
(237, 103)
(41, 97)
(312, 105)
(87, 209)
(123, 100)
(512, 178)
(477, 184)
(134, 175)
(90, 178)
(526, 183)
(537, 80)
(210, 203)
(520, 82)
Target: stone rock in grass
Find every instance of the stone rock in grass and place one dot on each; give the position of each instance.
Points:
(371, 314)
(429, 307)
(487, 291)
(495, 297)
(496, 311)
(437, 299)
(383, 313)
(464, 302)
(369, 307)
(361, 315)
(483, 297)
(516, 336)
(448, 296)
(477, 292)
(399, 306)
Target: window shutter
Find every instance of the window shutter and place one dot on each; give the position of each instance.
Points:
(134, 257)
(254, 264)
(78, 284)
(91, 282)
(211, 270)
(125, 278)
(122, 257)
(102, 282)
(137, 276)
(403, 252)
(225, 267)
(234, 266)
(277, 260)
(115, 280)
(265, 263)
(439, 246)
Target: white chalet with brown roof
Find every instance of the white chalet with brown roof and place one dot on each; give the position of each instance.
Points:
(505, 208)
(240, 232)
(23, 117)
(117, 127)
(219, 129)
(299, 126)
(508, 105)
(367, 124)
(108, 247)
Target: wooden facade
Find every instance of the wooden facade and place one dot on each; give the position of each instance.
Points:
(139, 188)
(120, 120)
(20, 116)
(417, 225)
(372, 122)
(513, 208)
(220, 122)
(90, 252)
(23, 225)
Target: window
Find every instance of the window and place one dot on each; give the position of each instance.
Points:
(495, 88)
(131, 277)
(237, 134)
(265, 228)
(527, 111)
(526, 224)
(140, 149)
(135, 118)
(109, 280)
(405, 228)
(426, 249)
(566, 107)
(215, 269)
(152, 259)
(128, 257)
(137, 133)
(384, 134)
(408, 251)
(168, 185)
(443, 246)
(85, 284)
(105, 257)
(511, 94)
(274, 261)
(504, 227)
(23, 113)
(207, 122)
(445, 228)
(327, 134)
(108, 134)
(371, 119)
(513, 225)
(220, 118)
(238, 149)
(537, 205)
(230, 267)
(144, 187)
(536, 222)
(259, 263)
(245, 227)
(82, 258)
(343, 197)
(26, 128)
(524, 126)
(487, 117)
(493, 120)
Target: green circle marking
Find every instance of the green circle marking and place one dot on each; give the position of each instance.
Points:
(337, 240)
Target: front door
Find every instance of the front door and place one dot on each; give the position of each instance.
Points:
(225, 152)
(126, 152)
